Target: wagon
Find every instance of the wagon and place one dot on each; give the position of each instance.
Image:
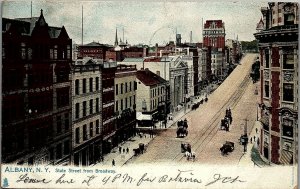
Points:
(182, 131)
(227, 147)
(186, 147)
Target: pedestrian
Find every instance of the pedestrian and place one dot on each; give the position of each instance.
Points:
(254, 138)
(120, 149)
(113, 162)
(256, 130)
(123, 150)
(127, 150)
(251, 140)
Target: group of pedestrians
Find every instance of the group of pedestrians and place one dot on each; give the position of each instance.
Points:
(123, 149)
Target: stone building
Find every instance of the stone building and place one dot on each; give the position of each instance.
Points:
(87, 111)
(279, 65)
(173, 69)
(36, 92)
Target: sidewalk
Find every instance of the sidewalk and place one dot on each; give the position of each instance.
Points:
(252, 156)
(132, 143)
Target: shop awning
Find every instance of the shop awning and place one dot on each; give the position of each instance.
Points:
(140, 116)
(286, 157)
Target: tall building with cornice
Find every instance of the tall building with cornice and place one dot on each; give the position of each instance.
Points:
(278, 47)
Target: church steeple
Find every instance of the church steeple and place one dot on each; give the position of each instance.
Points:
(116, 39)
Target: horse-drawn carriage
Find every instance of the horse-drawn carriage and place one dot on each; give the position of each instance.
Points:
(187, 150)
(227, 147)
(140, 150)
(182, 128)
(226, 121)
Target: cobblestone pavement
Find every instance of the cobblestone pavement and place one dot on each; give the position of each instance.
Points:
(205, 136)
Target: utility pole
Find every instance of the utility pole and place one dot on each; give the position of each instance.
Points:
(245, 141)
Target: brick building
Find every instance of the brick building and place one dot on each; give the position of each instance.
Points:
(278, 47)
(93, 50)
(36, 93)
(214, 37)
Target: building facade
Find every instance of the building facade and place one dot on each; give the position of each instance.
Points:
(36, 93)
(87, 114)
(278, 47)
(108, 106)
(214, 37)
(152, 97)
(94, 50)
(173, 69)
(125, 101)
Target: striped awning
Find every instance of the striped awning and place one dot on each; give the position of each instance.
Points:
(286, 157)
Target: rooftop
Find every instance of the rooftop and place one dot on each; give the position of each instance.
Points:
(149, 78)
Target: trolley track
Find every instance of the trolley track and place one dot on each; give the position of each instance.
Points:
(210, 131)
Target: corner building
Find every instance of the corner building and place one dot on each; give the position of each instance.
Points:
(36, 96)
(278, 48)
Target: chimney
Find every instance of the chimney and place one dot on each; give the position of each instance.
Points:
(156, 50)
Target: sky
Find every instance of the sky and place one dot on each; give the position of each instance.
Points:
(146, 22)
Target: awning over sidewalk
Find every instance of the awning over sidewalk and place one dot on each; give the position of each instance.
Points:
(140, 116)
(286, 157)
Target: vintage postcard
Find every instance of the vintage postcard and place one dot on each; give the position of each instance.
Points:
(149, 94)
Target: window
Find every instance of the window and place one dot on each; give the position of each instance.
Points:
(288, 92)
(3, 52)
(91, 106)
(125, 103)
(55, 52)
(117, 91)
(267, 89)
(267, 57)
(23, 51)
(91, 129)
(97, 83)
(84, 133)
(51, 53)
(117, 105)
(97, 126)
(126, 87)
(58, 124)
(130, 86)
(68, 51)
(91, 84)
(62, 97)
(58, 151)
(288, 59)
(77, 110)
(84, 86)
(121, 104)
(133, 99)
(130, 103)
(67, 122)
(122, 88)
(84, 108)
(77, 86)
(97, 105)
(135, 85)
(77, 138)
(287, 128)
(66, 147)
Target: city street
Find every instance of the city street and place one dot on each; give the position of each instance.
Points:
(205, 136)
